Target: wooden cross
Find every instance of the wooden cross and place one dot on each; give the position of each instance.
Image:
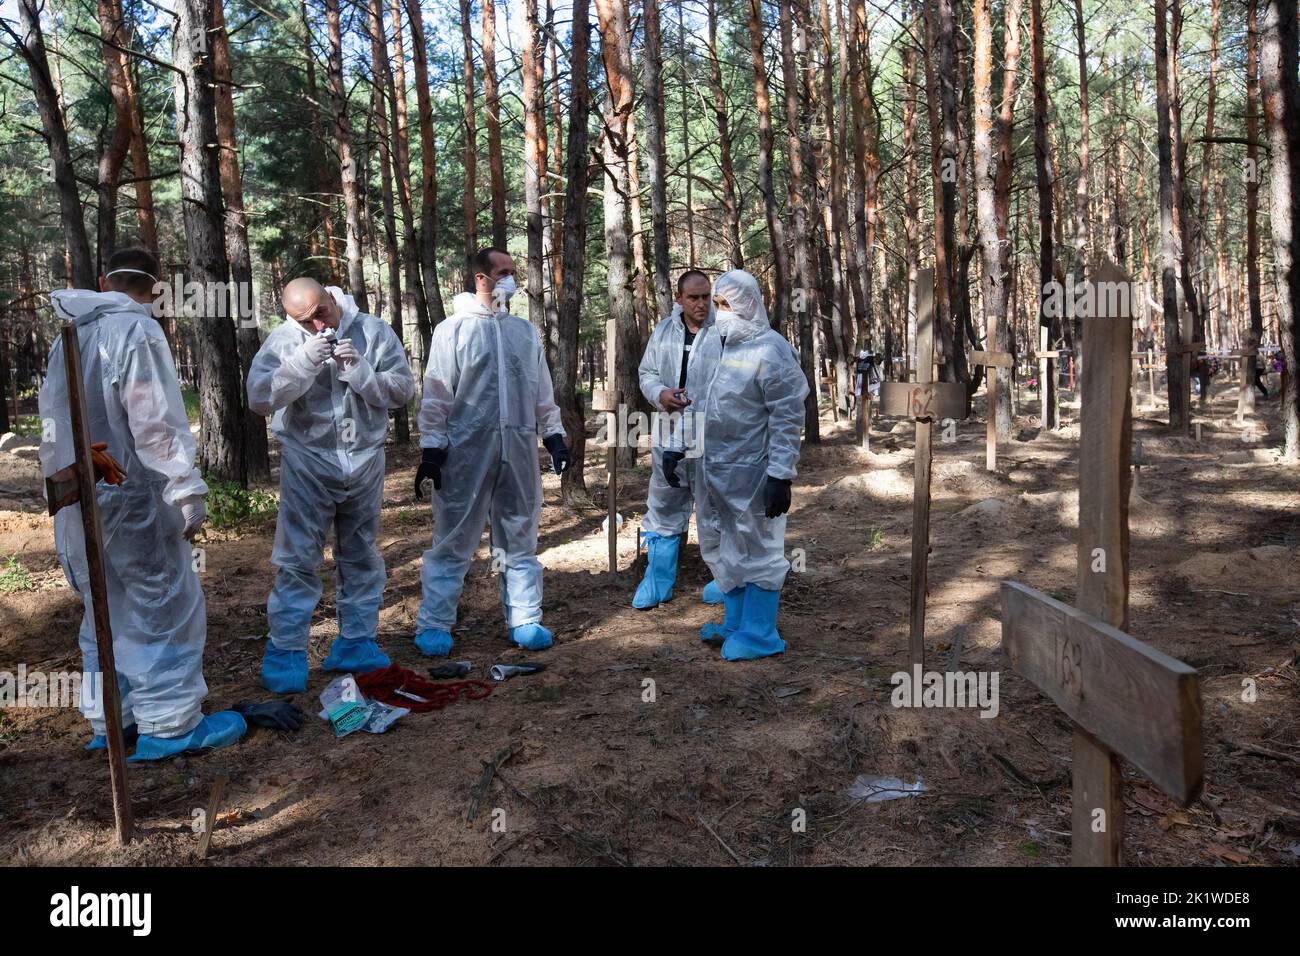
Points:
(68, 486)
(992, 361)
(922, 401)
(1046, 371)
(1125, 698)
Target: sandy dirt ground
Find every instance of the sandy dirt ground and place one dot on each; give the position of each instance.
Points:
(727, 760)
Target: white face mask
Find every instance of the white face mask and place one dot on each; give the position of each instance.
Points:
(503, 290)
(729, 323)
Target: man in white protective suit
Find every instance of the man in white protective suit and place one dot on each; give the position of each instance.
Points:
(149, 511)
(678, 363)
(330, 374)
(753, 418)
(487, 398)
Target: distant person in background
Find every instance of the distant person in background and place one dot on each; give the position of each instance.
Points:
(149, 511)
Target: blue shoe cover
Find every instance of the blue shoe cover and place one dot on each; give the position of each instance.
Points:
(733, 606)
(660, 573)
(756, 637)
(284, 672)
(211, 733)
(434, 642)
(532, 636)
(355, 655)
(100, 742)
(712, 593)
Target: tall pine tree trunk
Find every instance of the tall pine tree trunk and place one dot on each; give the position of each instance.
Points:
(1280, 90)
(81, 271)
(221, 411)
(347, 162)
(236, 234)
(573, 483)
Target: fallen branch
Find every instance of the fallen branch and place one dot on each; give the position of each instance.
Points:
(705, 823)
(1254, 751)
(490, 767)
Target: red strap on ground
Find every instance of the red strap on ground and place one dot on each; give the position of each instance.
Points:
(383, 686)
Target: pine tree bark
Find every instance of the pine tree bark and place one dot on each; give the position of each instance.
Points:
(657, 155)
(470, 200)
(573, 483)
(766, 142)
(256, 452)
(31, 45)
(1279, 75)
(1255, 336)
(993, 286)
(534, 161)
(722, 120)
(324, 188)
(429, 180)
(804, 300)
(415, 302)
(221, 407)
(381, 80)
(1002, 200)
(1046, 257)
(496, 167)
(619, 104)
(113, 33)
(1169, 251)
(347, 162)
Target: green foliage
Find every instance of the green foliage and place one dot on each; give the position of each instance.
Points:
(27, 425)
(230, 506)
(15, 577)
(191, 398)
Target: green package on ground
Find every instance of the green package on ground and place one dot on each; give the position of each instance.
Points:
(348, 716)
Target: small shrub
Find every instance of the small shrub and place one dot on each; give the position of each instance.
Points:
(230, 505)
(15, 577)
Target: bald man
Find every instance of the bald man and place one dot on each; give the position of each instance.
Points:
(330, 374)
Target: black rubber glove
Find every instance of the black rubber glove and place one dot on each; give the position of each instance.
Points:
(560, 458)
(671, 461)
(276, 714)
(431, 462)
(777, 496)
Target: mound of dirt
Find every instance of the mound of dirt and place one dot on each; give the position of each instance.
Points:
(887, 483)
(1061, 505)
(1271, 568)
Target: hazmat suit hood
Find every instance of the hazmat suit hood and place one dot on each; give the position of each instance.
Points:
(347, 307)
(74, 303)
(467, 303)
(747, 317)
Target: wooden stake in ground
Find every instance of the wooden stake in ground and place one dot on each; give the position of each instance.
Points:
(923, 401)
(1126, 699)
(992, 361)
(76, 483)
(1244, 384)
(606, 400)
(210, 815)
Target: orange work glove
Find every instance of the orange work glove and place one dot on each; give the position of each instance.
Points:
(106, 467)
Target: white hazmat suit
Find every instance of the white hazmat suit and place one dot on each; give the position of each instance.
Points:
(332, 425)
(133, 401)
(753, 417)
(488, 397)
(668, 509)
